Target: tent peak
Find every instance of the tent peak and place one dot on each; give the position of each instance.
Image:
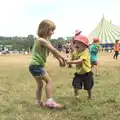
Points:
(106, 31)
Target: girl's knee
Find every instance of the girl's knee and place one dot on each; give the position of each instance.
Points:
(48, 81)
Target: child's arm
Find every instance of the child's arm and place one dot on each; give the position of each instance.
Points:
(48, 45)
(62, 63)
(79, 61)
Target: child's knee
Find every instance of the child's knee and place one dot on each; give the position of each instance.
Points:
(48, 81)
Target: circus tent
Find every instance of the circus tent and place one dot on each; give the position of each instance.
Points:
(106, 31)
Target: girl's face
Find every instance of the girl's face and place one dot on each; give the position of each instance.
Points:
(51, 32)
(79, 46)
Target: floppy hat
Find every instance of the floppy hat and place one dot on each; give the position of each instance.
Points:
(82, 39)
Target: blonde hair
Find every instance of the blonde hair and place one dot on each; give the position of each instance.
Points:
(44, 28)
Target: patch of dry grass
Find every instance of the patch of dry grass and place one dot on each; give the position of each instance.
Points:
(17, 92)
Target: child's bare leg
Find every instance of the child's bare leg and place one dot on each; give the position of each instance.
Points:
(89, 94)
(117, 55)
(39, 90)
(76, 92)
(96, 69)
(48, 88)
(92, 67)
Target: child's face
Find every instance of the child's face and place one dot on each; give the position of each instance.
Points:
(51, 32)
(79, 46)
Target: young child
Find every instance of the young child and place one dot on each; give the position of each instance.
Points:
(40, 51)
(83, 74)
(94, 48)
(116, 49)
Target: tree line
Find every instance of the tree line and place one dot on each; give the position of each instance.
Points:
(20, 43)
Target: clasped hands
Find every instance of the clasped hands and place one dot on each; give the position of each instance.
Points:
(63, 62)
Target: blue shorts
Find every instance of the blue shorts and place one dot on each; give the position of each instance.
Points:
(36, 70)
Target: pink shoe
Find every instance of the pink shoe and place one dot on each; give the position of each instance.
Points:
(53, 104)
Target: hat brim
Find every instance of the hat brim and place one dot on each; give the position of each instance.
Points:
(80, 42)
(78, 32)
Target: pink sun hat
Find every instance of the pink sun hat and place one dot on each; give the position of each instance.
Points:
(82, 39)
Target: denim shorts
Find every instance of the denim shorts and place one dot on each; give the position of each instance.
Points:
(36, 70)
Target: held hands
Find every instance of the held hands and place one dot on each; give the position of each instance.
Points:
(67, 61)
(62, 63)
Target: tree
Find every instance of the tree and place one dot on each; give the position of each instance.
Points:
(21, 43)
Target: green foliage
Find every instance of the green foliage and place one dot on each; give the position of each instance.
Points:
(20, 43)
(60, 40)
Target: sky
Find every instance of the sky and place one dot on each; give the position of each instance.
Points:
(22, 17)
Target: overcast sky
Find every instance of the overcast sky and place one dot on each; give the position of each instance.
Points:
(22, 17)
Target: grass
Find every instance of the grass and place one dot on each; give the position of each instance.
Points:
(17, 91)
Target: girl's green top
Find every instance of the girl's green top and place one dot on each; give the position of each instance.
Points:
(39, 54)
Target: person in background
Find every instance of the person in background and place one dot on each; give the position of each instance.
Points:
(116, 49)
(77, 32)
(94, 48)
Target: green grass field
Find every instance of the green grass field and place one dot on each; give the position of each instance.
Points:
(17, 91)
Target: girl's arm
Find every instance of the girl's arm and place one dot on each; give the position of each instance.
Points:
(49, 46)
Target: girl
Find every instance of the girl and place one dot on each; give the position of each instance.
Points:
(40, 51)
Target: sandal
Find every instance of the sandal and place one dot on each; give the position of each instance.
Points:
(53, 104)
